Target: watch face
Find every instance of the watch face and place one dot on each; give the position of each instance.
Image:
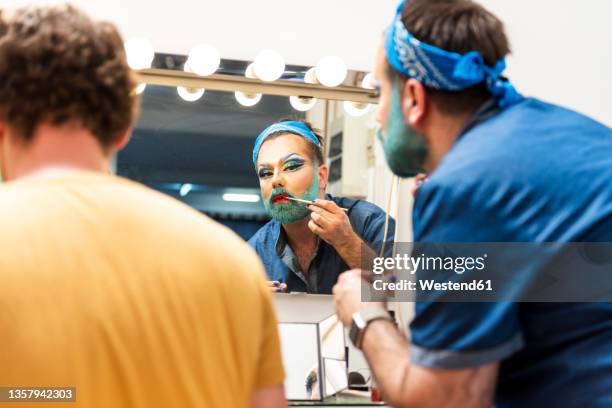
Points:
(358, 320)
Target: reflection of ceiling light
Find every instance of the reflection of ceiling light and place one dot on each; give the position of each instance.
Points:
(247, 99)
(140, 52)
(190, 94)
(204, 59)
(301, 103)
(356, 108)
(269, 65)
(331, 71)
(185, 189)
(243, 198)
(140, 88)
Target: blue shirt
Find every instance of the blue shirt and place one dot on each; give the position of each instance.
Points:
(368, 222)
(533, 172)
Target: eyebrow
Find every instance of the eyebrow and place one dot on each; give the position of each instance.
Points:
(283, 159)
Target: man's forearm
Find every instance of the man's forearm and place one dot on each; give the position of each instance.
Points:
(388, 355)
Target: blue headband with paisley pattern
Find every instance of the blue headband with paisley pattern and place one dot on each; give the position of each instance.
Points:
(444, 70)
(296, 128)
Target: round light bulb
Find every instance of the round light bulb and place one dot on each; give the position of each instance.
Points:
(247, 99)
(310, 77)
(356, 108)
(204, 59)
(269, 65)
(368, 81)
(301, 103)
(140, 52)
(140, 88)
(190, 94)
(331, 71)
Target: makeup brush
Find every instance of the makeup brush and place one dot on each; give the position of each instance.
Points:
(308, 202)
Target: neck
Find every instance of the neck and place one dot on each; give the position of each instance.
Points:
(299, 235)
(443, 135)
(54, 149)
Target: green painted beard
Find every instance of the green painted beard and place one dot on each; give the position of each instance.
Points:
(291, 211)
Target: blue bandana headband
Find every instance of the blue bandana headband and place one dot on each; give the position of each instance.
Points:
(444, 70)
(296, 128)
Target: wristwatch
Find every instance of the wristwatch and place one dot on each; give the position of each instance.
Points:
(362, 319)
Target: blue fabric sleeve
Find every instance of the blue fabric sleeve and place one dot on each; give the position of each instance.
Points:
(460, 335)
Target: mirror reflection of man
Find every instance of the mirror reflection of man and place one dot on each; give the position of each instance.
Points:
(502, 168)
(305, 247)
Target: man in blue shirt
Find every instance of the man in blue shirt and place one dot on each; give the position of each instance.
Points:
(503, 168)
(304, 248)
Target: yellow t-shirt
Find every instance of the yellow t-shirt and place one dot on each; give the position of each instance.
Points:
(131, 297)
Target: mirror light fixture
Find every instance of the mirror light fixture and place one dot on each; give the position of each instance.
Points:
(139, 52)
(331, 71)
(203, 59)
(242, 198)
(305, 103)
(302, 103)
(247, 99)
(268, 65)
(356, 109)
(190, 94)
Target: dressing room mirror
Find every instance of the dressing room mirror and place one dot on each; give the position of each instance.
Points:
(196, 145)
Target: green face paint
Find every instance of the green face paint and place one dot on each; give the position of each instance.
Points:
(291, 211)
(405, 150)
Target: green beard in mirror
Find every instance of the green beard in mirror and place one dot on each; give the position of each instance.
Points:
(292, 211)
(405, 150)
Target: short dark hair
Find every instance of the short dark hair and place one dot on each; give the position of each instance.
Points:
(459, 26)
(57, 66)
(316, 152)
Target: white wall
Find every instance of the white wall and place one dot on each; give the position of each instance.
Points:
(562, 48)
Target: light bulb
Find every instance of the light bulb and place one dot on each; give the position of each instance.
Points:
(140, 52)
(204, 59)
(269, 65)
(311, 76)
(331, 71)
(369, 82)
(247, 99)
(190, 94)
(301, 103)
(140, 88)
(356, 108)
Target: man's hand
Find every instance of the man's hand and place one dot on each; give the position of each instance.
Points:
(329, 222)
(347, 296)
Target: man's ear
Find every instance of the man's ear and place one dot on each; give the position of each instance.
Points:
(414, 102)
(123, 140)
(323, 173)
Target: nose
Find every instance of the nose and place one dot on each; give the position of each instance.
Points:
(277, 179)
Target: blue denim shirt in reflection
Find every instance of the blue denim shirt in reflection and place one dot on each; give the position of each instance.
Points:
(281, 264)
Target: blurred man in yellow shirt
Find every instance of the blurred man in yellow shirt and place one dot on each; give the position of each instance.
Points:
(125, 295)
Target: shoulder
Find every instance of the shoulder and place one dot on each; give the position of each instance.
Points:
(266, 235)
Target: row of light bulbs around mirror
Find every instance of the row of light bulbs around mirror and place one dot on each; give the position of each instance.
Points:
(268, 66)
